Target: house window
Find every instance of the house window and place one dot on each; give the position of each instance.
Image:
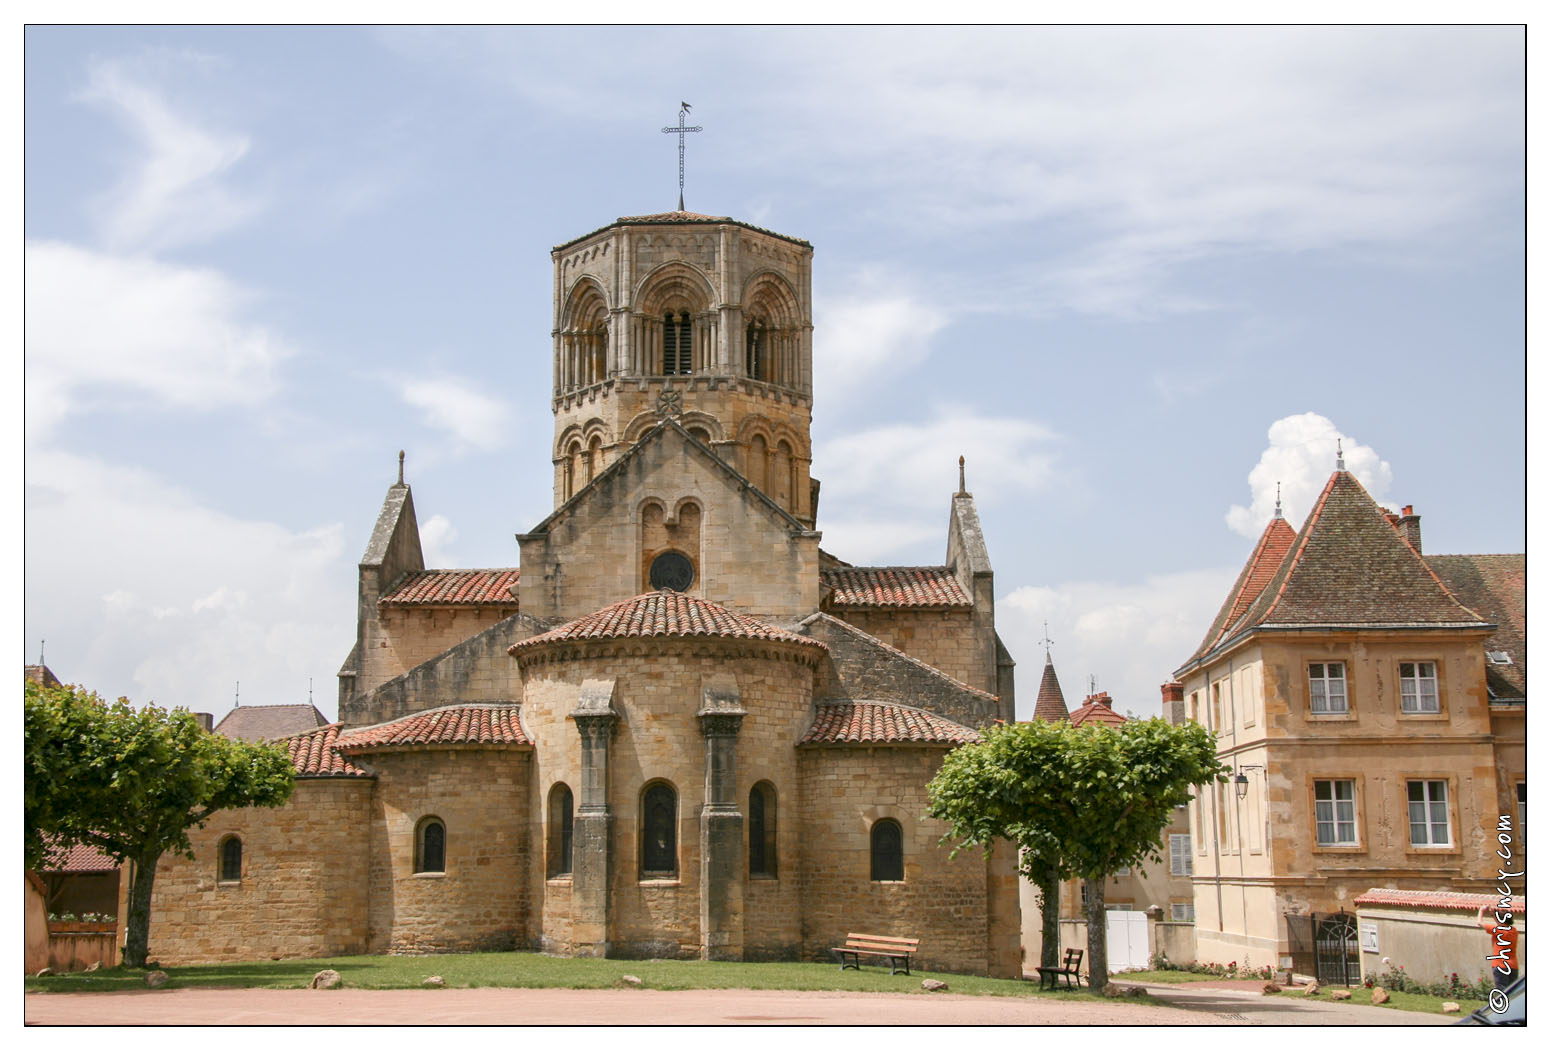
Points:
(1428, 803)
(431, 846)
(888, 851)
(1335, 813)
(560, 830)
(231, 860)
(659, 832)
(762, 830)
(1182, 911)
(1419, 687)
(677, 343)
(1180, 863)
(1327, 689)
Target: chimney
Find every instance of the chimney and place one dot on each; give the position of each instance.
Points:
(1173, 702)
(1101, 699)
(205, 720)
(1410, 526)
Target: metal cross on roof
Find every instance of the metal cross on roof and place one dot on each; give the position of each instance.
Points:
(681, 131)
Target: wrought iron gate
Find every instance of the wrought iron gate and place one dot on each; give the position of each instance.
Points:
(1335, 950)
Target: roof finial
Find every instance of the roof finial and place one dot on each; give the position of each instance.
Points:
(237, 695)
(681, 131)
(1047, 640)
(961, 474)
(309, 689)
(1340, 459)
(41, 644)
(401, 467)
(1278, 500)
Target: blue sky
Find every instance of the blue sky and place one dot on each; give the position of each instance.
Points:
(1135, 276)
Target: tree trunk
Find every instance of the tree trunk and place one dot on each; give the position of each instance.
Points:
(137, 929)
(1098, 957)
(1050, 917)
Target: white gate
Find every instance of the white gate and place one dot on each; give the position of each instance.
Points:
(1125, 940)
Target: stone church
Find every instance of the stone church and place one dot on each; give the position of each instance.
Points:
(678, 727)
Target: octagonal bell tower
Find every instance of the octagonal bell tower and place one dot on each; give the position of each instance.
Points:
(700, 317)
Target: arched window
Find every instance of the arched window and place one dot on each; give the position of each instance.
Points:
(759, 463)
(762, 830)
(754, 349)
(594, 457)
(431, 846)
(573, 469)
(231, 859)
(659, 832)
(888, 851)
(560, 831)
(677, 344)
(701, 435)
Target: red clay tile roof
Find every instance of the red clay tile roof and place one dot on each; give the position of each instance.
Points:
(458, 724)
(1435, 899)
(875, 722)
(40, 674)
(663, 614)
(314, 755)
(80, 858)
(269, 722)
(1097, 711)
(454, 587)
(894, 587)
(1050, 705)
(1272, 547)
(1493, 586)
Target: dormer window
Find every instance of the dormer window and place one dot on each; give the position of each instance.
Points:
(1498, 657)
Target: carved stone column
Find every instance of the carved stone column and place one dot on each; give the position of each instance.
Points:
(721, 826)
(591, 859)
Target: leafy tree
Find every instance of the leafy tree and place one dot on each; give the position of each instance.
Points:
(1079, 801)
(132, 783)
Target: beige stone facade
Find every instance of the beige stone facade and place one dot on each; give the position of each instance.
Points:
(671, 731)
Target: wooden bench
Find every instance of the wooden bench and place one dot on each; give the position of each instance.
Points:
(1069, 969)
(896, 950)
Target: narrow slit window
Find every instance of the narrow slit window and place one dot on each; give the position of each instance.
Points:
(888, 851)
(231, 860)
(431, 846)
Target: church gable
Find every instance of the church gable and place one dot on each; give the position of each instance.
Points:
(669, 513)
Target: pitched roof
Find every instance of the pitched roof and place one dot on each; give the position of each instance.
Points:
(1050, 705)
(893, 587)
(314, 755)
(1493, 586)
(456, 724)
(83, 857)
(664, 614)
(40, 674)
(1272, 547)
(876, 722)
(454, 587)
(1348, 567)
(677, 217)
(269, 722)
(1097, 711)
(1435, 899)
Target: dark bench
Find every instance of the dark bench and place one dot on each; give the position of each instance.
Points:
(1068, 969)
(896, 950)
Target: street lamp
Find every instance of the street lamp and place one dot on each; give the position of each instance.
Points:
(1241, 785)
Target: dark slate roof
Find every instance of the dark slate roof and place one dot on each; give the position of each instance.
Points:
(1050, 705)
(1097, 710)
(893, 587)
(665, 614)
(877, 722)
(1493, 586)
(1272, 547)
(1348, 568)
(454, 587)
(269, 722)
(314, 755)
(456, 724)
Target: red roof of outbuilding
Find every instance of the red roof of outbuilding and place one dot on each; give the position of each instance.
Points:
(82, 857)
(1435, 899)
(454, 587)
(669, 614)
(314, 755)
(877, 722)
(458, 724)
(1098, 711)
(894, 587)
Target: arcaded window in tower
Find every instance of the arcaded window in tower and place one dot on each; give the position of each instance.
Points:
(584, 338)
(773, 335)
(573, 469)
(754, 349)
(762, 830)
(678, 344)
(594, 457)
(659, 832)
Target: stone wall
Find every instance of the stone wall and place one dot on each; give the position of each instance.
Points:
(481, 900)
(946, 639)
(303, 891)
(403, 638)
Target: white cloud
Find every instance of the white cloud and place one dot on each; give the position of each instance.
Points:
(177, 334)
(871, 334)
(437, 534)
(1300, 457)
(867, 541)
(175, 194)
(141, 591)
(457, 407)
(1129, 636)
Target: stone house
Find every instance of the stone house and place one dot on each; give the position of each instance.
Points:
(1370, 703)
(676, 727)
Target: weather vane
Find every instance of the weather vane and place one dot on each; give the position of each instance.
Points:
(681, 131)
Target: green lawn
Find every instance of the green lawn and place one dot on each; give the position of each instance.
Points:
(532, 970)
(1167, 977)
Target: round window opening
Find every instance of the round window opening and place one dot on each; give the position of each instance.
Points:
(673, 570)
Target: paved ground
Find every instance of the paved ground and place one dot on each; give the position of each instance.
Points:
(1196, 1004)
